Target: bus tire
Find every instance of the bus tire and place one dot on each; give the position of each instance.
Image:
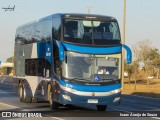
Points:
(28, 99)
(101, 107)
(34, 100)
(53, 104)
(22, 94)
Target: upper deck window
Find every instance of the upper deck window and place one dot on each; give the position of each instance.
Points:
(91, 32)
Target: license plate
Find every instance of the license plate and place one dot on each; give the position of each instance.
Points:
(92, 101)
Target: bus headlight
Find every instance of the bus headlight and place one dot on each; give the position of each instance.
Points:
(116, 91)
(66, 97)
(116, 99)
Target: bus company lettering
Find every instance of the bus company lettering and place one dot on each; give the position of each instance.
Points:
(93, 84)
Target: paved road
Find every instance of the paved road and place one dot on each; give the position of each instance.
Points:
(135, 105)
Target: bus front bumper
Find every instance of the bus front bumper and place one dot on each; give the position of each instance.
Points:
(107, 98)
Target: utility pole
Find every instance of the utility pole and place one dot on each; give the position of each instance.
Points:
(89, 8)
(123, 42)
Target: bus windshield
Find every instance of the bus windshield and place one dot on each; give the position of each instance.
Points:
(91, 32)
(91, 67)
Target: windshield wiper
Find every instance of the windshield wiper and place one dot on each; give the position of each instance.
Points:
(78, 79)
(109, 80)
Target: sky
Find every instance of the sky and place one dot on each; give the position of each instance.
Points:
(142, 20)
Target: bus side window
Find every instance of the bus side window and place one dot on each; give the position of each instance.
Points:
(35, 67)
(57, 62)
(40, 66)
(47, 69)
(56, 30)
(27, 68)
(30, 67)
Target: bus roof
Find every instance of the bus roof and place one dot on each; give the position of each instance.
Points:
(84, 16)
(73, 15)
(35, 21)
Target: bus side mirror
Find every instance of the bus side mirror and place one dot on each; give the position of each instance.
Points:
(129, 54)
(61, 51)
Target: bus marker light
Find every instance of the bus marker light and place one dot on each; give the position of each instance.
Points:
(67, 97)
(116, 99)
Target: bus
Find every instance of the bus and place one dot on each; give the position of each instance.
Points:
(70, 59)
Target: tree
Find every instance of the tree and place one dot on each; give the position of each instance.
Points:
(129, 68)
(4, 71)
(141, 51)
(10, 59)
(144, 53)
(154, 58)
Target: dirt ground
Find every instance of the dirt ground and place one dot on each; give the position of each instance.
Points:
(142, 87)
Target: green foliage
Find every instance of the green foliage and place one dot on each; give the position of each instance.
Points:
(154, 58)
(10, 59)
(131, 68)
(4, 70)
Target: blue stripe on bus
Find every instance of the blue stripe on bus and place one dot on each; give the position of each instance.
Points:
(61, 50)
(44, 50)
(88, 88)
(41, 52)
(94, 50)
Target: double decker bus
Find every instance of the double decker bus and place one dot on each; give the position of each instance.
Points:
(70, 59)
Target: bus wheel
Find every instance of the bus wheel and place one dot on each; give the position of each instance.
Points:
(22, 94)
(53, 104)
(34, 100)
(101, 107)
(28, 99)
